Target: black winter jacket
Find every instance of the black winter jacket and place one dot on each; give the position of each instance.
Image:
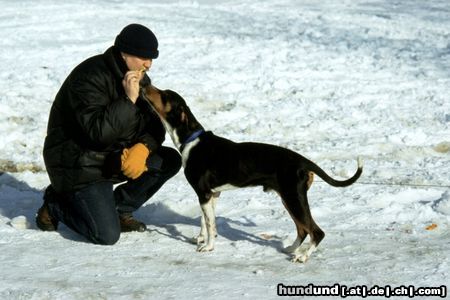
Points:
(91, 121)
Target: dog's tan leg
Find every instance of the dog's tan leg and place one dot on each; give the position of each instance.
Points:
(210, 222)
(302, 257)
(299, 210)
(301, 234)
(316, 235)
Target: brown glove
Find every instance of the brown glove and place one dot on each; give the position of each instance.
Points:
(134, 160)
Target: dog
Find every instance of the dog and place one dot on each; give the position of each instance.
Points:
(213, 164)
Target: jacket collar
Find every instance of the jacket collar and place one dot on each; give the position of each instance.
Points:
(115, 62)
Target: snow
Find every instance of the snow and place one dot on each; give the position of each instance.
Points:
(329, 79)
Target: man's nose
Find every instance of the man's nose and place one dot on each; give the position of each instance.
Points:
(148, 63)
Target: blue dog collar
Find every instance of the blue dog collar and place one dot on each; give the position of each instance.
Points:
(193, 136)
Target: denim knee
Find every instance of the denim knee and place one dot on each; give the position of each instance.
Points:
(106, 236)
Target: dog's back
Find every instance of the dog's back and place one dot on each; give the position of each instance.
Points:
(241, 164)
(253, 164)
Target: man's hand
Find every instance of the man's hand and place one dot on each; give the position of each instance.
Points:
(131, 84)
(134, 160)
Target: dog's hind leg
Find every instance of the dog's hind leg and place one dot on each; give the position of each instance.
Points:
(297, 205)
(302, 257)
(301, 233)
(315, 233)
(210, 224)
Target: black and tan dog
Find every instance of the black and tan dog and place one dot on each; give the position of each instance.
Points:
(213, 164)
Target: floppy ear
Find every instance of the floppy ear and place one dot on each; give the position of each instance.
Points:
(191, 121)
(184, 116)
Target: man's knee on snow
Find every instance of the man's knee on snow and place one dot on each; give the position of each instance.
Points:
(106, 237)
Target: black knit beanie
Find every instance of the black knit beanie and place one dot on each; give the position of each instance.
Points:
(137, 40)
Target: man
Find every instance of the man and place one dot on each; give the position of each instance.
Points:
(101, 132)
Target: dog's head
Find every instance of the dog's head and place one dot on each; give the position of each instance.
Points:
(174, 113)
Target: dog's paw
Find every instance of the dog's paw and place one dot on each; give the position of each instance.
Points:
(303, 256)
(299, 258)
(205, 248)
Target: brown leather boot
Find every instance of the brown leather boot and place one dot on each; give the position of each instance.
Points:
(44, 219)
(128, 223)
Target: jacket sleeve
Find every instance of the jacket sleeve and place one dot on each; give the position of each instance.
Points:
(103, 120)
(152, 132)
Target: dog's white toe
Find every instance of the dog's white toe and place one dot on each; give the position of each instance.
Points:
(299, 258)
(302, 256)
(205, 248)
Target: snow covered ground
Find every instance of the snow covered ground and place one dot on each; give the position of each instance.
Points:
(329, 79)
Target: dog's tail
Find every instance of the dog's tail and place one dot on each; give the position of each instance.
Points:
(331, 181)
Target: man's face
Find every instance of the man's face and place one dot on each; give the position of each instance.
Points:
(135, 63)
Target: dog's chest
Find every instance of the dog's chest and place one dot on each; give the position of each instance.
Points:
(187, 151)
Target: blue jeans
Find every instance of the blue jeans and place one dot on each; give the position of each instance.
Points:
(93, 211)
